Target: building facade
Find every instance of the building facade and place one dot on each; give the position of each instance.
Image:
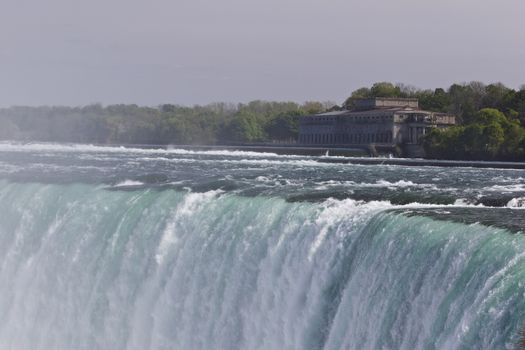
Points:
(380, 121)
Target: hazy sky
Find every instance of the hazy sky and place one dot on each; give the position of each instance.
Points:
(71, 52)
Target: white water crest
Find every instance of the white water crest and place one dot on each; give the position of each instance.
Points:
(516, 202)
(57, 147)
(85, 267)
(129, 183)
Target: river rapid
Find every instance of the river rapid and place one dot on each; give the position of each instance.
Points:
(130, 248)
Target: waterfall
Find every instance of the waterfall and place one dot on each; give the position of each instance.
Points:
(88, 267)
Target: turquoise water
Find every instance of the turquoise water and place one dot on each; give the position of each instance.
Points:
(117, 262)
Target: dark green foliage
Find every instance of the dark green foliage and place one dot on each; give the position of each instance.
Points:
(284, 127)
(489, 136)
(437, 100)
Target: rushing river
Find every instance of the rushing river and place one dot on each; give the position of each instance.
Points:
(121, 248)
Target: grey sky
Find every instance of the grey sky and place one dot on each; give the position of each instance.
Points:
(71, 52)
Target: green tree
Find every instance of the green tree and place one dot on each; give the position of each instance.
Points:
(497, 96)
(313, 107)
(512, 147)
(284, 127)
(466, 100)
(437, 100)
(472, 139)
(385, 89)
(494, 137)
(245, 128)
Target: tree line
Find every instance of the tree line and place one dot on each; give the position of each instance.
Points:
(491, 120)
(216, 123)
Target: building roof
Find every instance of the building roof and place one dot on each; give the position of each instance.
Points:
(370, 111)
(382, 106)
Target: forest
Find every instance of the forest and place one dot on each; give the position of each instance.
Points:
(490, 121)
(216, 123)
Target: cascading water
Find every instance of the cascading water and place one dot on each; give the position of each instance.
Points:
(133, 266)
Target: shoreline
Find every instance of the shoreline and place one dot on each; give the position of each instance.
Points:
(339, 155)
(356, 156)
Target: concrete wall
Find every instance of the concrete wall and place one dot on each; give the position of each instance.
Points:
(353, 130)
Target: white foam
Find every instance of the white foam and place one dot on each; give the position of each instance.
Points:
(192, 202)
(397, 184)
(129, 183)
(226, 153)
(518, 202)
(54, 147)
(506, 188)
(462, 202)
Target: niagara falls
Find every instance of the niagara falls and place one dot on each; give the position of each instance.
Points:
(262, 175)
(129, 248)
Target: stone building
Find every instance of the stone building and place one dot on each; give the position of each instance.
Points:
(377, 121)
